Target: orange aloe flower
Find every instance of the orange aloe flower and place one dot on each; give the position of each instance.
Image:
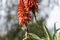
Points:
(31, 5)
(24, 8)
(23, 15)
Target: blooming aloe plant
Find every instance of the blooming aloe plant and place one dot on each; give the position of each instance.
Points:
(25, 8)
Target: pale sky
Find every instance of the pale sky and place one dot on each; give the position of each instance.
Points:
(54, 17)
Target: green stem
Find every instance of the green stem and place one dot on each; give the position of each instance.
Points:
(48, 32)
(38, 25)
(37, 21)
(45, 28)
(27, 32)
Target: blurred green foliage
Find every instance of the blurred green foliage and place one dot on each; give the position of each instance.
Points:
(32, 37)
(33, 28)
(18, 33)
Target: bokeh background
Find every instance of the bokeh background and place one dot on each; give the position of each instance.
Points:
(49, 11)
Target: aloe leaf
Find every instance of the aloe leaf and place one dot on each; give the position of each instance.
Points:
(48, 32)
(33, 28)
(58, 29)
(55, 31)
(54, 35)
(32, 37)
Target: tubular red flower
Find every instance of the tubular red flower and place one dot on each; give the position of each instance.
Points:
(24, 8)
(31, 5)
(24, 19)
(23, 14)
(34, 5)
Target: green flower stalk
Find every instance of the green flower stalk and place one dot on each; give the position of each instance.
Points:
(40, 28)
(50, 37)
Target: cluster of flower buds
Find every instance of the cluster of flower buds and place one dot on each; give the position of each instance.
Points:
(24, 8)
